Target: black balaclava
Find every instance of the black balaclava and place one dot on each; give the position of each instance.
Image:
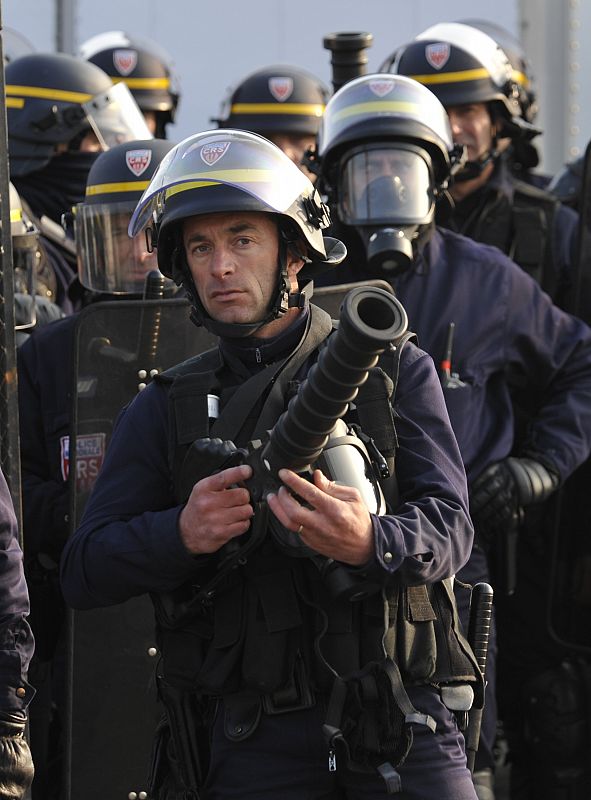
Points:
(58, 186)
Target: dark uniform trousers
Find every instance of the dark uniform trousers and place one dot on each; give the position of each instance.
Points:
(280, 760)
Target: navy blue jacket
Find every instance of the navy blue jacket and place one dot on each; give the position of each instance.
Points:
(509, 337)
(16, 639)
(128, 542)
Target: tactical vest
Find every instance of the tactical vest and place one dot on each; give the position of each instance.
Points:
(273, 627)
(523, 229)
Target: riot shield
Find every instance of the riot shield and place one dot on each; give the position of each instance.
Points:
(9, 436)
(111, 706)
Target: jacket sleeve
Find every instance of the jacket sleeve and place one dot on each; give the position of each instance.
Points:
(549, 353)
(429, 535)
(16, 639)
(128, 541)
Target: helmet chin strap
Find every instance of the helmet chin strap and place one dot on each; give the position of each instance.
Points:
(283, 300)
(474, 169)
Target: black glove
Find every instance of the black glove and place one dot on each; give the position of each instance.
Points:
(16, 764)
(500, 493)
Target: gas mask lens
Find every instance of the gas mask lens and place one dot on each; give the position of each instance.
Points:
(385, 185)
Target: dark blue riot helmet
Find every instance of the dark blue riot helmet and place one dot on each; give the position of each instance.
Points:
(144, 67)
(52, 99)
(463, 65)
(109, 261)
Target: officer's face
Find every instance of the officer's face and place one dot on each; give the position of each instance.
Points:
(131, 254)
(294, 145)
(151, 121)
(233, 260)
(472, 126)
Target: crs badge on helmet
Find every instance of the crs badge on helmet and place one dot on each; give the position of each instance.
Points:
(108, 260)
(233, 171)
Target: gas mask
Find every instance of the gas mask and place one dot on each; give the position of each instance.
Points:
(386, 192)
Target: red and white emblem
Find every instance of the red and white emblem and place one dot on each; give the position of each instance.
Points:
(125, 61)
(211, 153)
(281, 88)
(381, 88)
(437, 54)
(90, 453)
(138, 161)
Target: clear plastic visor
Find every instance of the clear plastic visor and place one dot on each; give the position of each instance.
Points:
(109, 261)
(385, 185)
(115, 117)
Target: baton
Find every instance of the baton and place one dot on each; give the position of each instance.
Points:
(481, 600)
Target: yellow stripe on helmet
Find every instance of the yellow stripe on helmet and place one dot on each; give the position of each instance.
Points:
(107, 188)
(15, 102)
(221, 176)
(520, 78)
(305, 109)
(48, 94)
(376, 106)
(144, 83)
(183, 187)
(452, 77)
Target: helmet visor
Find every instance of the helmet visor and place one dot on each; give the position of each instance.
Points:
(203, 161)
(115, 117)
(108, 260)
(382, 185)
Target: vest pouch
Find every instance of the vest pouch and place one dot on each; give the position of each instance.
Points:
(411, 641)
(221, 668)
(273, 630)
(368, 722)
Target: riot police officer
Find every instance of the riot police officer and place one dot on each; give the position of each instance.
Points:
(384, 169)
(522, 153)
(282, 103)
(473, 79)
(62, 112)
(16, 766)
(277, 635)
(145, 68)
(108, 267)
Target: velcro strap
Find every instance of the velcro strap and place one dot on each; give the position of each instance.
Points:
(188, 395)
(418, 604)
(374, 411)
